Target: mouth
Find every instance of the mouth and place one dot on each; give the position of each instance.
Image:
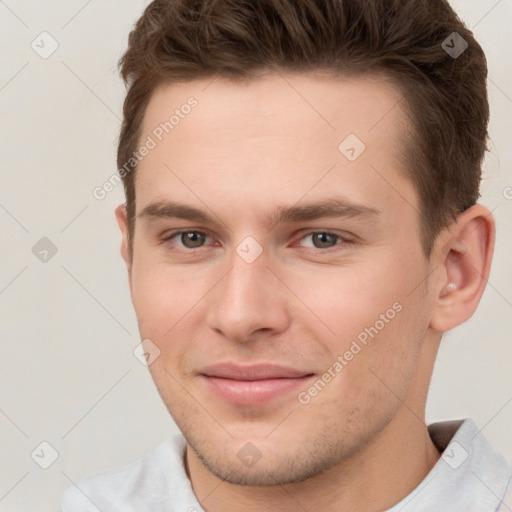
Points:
(252, 385)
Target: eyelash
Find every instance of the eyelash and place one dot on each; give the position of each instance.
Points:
(340, 241)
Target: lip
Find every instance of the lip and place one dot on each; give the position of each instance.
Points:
(253, 384)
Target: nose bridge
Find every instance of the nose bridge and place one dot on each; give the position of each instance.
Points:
(248, 279)
(247, 299)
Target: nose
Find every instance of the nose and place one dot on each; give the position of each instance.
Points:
(248, 301)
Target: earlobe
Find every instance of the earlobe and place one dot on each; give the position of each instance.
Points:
(122, 222)
(466, 261)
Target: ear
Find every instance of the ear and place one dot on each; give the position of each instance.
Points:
(465, 260)
(122, 222)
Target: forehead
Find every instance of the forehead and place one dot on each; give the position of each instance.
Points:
(269, 105)
(277, 137)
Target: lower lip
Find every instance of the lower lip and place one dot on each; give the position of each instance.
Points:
(253, 392)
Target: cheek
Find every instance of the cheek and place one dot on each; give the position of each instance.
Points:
(161, 294)
(371, 316)
(167, 303)
(346, 300)
(158, 307)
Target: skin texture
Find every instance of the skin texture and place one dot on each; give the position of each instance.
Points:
(246, 150)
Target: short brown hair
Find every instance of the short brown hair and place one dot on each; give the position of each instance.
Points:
(445, 97)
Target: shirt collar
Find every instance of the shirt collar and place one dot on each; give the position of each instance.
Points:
(469, 477)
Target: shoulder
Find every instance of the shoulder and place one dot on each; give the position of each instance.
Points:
(507, 498)
(474, 476)
(145, 483)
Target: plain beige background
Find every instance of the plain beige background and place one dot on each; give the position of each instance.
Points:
(68, 374)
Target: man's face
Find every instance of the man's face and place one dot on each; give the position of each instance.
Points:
(261, 245)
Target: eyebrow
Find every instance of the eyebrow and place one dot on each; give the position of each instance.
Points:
(296, 213)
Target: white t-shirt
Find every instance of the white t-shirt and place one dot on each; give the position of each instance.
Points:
(469, 477)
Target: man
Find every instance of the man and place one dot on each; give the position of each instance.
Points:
(300, 228)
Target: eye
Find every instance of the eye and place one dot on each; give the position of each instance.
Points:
(322, 240)
(189, 239)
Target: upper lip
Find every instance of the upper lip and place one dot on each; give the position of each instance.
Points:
(252, 372)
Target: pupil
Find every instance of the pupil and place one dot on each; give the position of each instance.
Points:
(322, 240)
(192, 239)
